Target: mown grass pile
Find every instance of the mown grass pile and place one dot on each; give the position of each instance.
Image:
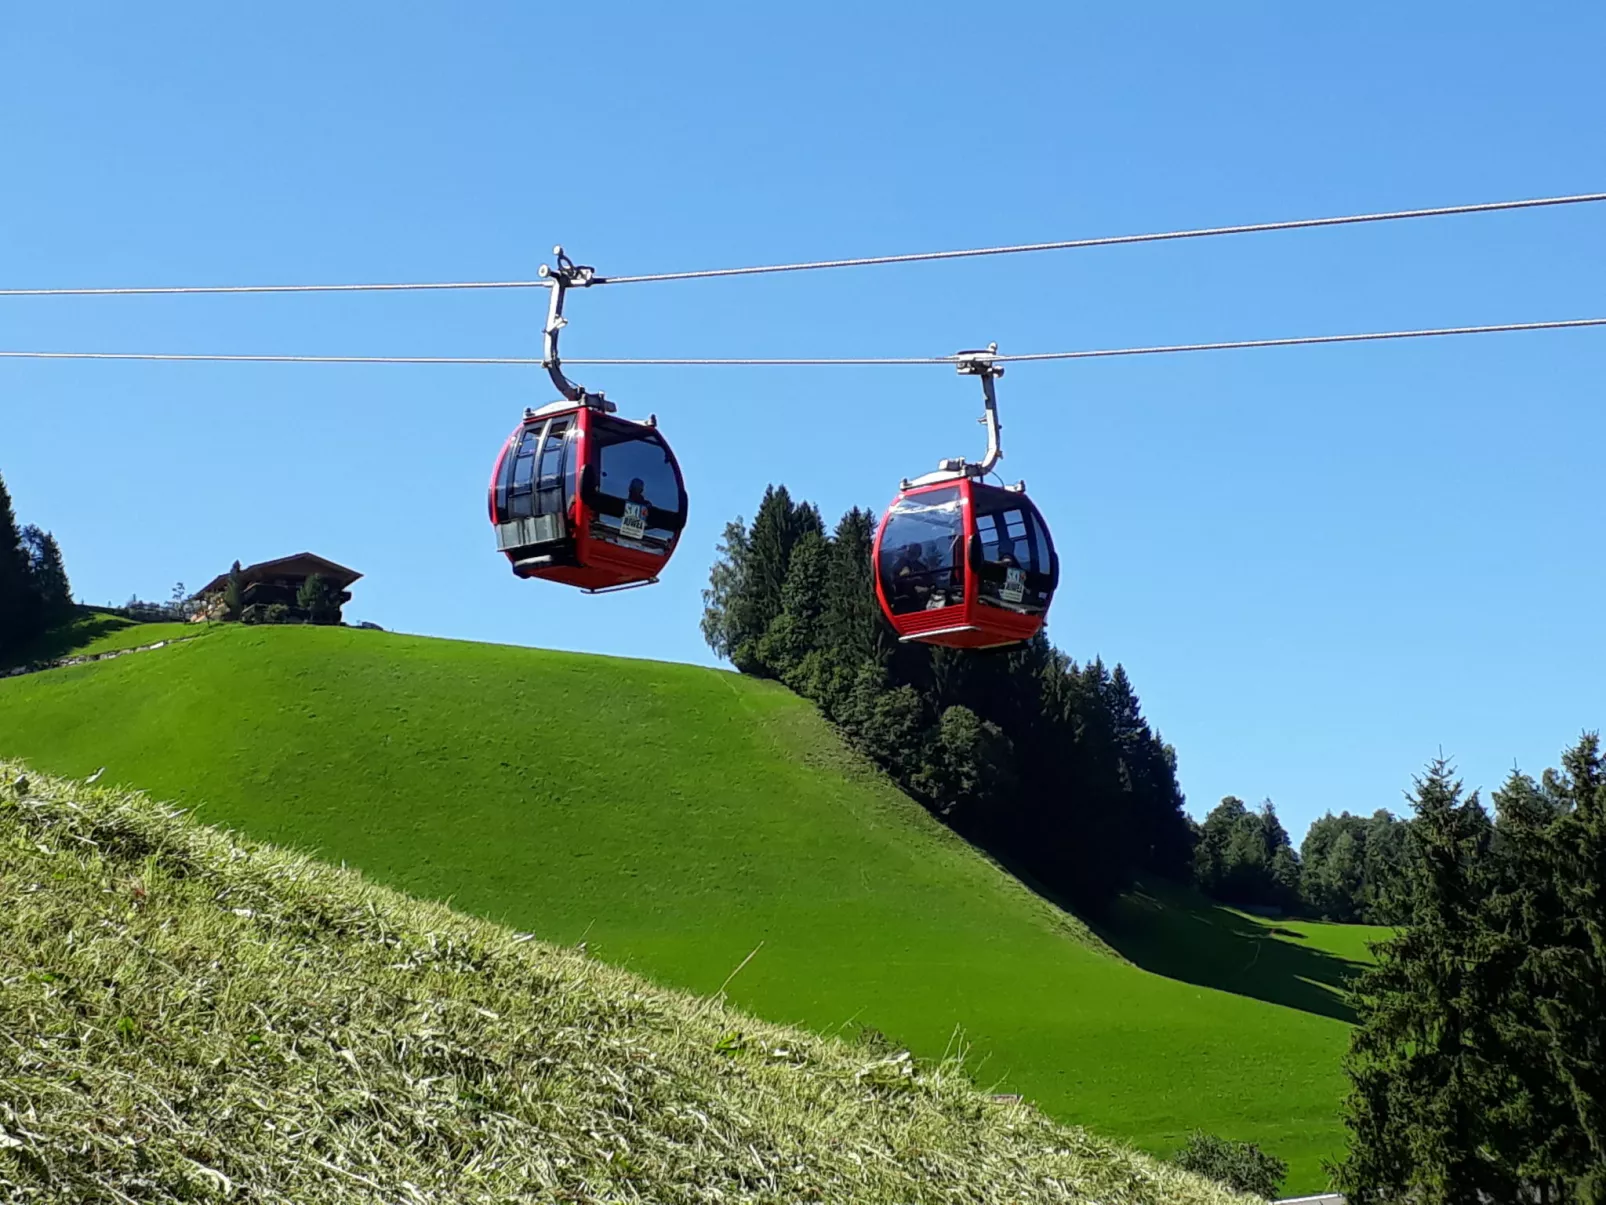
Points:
(185, 1015)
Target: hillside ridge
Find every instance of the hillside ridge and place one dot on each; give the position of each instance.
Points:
(676, 819)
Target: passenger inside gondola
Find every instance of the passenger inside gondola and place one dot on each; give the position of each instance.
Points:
(1016, 561)
(925, 530)
(909, 574)
(636, 472)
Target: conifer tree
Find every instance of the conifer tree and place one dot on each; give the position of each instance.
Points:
(1536, 1132)
(1424, 1060)
(1171, 839)
(777, 527)
(1574, 971)
(1092, 829)
(796, 633)
(852, 617)
(1382, 863)
(47, 575)
(234, 595)
(19, 607)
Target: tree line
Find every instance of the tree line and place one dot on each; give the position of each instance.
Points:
(1047, 764)
(1478, 1064)
(34, 592)
(1347, 868)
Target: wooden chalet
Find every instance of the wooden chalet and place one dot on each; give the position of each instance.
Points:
(277, 581)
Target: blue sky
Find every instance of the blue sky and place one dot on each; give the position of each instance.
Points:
(1320, 565)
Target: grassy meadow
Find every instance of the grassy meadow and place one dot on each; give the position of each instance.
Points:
(705, 829)
(92, 632)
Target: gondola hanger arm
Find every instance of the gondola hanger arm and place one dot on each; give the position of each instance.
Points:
(566, 275)
(983, 363)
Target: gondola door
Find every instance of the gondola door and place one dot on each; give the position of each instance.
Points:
(533, 494)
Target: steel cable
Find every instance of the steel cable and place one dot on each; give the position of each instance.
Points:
(830, 361)
(866, 261)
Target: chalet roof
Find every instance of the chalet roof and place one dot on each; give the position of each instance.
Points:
(302, 564)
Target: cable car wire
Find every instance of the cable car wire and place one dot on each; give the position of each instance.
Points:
(866, 261)
(833, 361)
(1109, 240)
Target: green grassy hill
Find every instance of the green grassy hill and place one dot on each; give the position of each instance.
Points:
(677, 819)
(92, 632)
(189, 1017)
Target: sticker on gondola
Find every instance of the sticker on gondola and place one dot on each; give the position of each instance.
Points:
(1014, 585)
(634, 524)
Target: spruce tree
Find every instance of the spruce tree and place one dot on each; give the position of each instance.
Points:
(1574, 971)
(852, 618)
(1425, 1061)
(777, 527)
(785, 649)
(47, 575)
(234, 595)
(1537, 1134)
(1091, 844)
(19, 606)
(1382, 864)
(1162, 842)
(1172, 839)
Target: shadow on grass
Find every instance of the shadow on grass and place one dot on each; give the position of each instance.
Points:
(1182, 935)
(83, 629)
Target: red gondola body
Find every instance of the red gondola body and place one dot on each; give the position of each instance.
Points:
(581, 497)
(964, 564)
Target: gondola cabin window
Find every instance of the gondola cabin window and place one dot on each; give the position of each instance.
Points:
(639, 491)
(922, 563)
(1016, 559)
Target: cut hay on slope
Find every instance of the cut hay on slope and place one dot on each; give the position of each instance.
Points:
(188, 1016)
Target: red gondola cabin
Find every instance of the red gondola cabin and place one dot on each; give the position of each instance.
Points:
(964, 564)
(582, 497)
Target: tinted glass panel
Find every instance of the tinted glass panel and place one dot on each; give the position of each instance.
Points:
(520, 498)
(922, 552)
(553, 491)
(1016, 559)
(636, 476)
